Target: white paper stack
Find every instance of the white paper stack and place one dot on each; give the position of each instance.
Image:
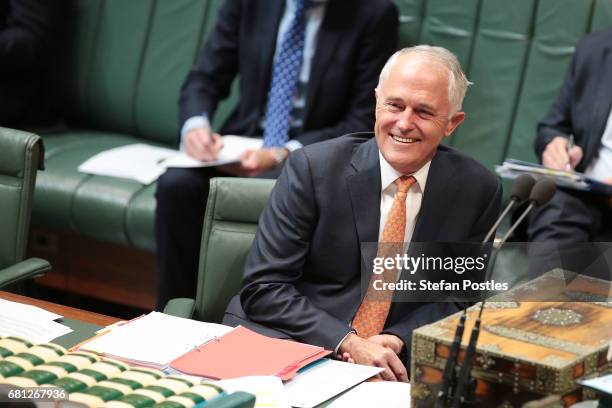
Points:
(155, 339)
(30, 322)
(325, 380)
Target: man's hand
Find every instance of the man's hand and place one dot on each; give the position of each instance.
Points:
(555, 155)
(253, 163)
(202, 144)
(362, 351)
(390, 341)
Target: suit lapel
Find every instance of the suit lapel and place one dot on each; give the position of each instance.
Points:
(328, 38)
(440, 188)
(272, 14)
(603, 101)
(364, 192)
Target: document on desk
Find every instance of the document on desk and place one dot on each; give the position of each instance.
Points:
(139, 162)
(512, 168)
(268, 390)
(155, 339)
(243, 352)
(233, 147)
(35, 331)
(324, 380)
(600, 384)
(30, 322)
(386, 394)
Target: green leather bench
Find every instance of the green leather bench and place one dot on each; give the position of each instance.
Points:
(124, 62)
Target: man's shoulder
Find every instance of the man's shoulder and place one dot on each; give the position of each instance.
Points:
(468, 167)
(595, 41)
(338, 146)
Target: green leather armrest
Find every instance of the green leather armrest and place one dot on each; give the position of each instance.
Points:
(238, 399)
(180, 307)
(30, 268)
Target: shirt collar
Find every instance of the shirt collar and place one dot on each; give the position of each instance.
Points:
(388, 174)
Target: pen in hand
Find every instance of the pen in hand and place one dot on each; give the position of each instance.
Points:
(570, 146)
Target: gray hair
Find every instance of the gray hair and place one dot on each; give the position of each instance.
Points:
(457, 81)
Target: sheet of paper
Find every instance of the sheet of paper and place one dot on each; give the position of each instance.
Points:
(268, 390)
(233, 147)
(375, 394)
(8, 308)
(325, 380)
(155, 339)
(33, 330)
(140, 162)
(601, 384)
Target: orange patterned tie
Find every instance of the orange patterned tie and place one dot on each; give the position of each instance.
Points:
(372, 314)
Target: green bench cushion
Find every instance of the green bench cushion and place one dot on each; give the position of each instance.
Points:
(105, 208)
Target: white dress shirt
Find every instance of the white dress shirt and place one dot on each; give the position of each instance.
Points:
(601, 166)
(388, 175)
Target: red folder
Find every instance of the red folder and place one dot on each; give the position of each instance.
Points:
(243, 352)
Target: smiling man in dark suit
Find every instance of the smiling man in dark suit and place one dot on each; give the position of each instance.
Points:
(307, 69)
(302, 275)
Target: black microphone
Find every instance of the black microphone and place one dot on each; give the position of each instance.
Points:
(541, 193)
(449, 378)
(521, 187)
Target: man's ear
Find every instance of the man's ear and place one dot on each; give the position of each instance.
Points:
(376, 93)
(454, 122)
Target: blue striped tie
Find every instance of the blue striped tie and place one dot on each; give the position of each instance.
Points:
(284, 79)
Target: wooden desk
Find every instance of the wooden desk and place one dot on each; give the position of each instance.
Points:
(66, 311)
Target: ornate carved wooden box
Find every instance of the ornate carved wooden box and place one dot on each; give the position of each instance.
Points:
(526, 349)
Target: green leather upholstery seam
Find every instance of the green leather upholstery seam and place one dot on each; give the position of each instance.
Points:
(143, 53)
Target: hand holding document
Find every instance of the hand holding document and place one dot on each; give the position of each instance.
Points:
(145, 163)
(233, 147)
(512, 168)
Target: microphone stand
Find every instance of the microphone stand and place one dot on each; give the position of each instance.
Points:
(465, 391)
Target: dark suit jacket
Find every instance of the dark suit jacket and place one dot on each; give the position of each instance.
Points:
(302, 275)
(28, 30)
(355, 39)
(584, 101)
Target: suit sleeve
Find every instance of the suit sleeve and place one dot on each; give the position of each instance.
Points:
(274, 266)
(25, 40)
(379, 41)
(558, 120)
(210, 79)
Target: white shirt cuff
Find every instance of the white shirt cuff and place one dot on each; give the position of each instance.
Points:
(192, 123)
(293, 145)
(341, 341)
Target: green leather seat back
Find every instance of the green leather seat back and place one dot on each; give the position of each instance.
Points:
(232, 212)
(450, 24)
(122, 72)
(20, 154)
(123, 69)
(410, 18)
(602, 15)
(499, 51)
(559, 25)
